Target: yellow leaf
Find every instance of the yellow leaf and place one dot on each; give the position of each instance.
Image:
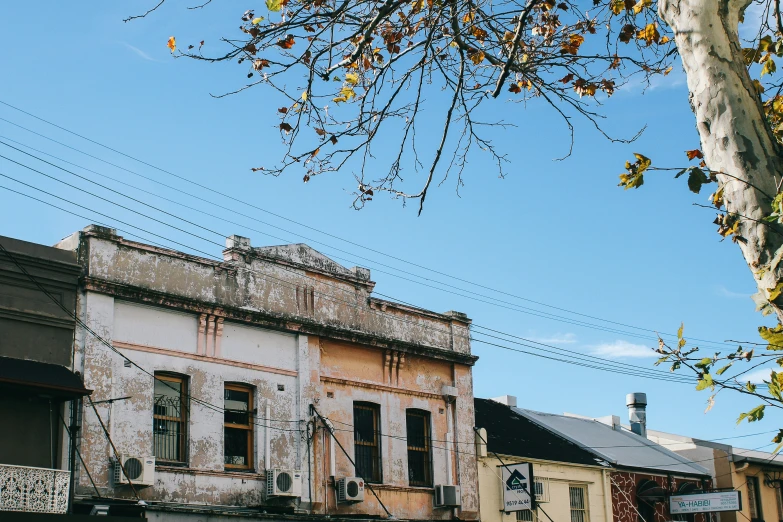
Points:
(641, 4)
(453, 44)
(304, 96)
(469, 16)
(476, 57)
(258, 20)
(644, 162)
(769, 67)
(664, 40)
(649, 34)
(618, 6)
(346, 93)
(172, 44)
(508, 36)
(274, 5)
(668, 70)
(352, 78)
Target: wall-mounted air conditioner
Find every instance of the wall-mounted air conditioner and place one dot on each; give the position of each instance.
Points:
(448, 496)
(283, 483)
(140, 471)
(541, 486)
(350, 489)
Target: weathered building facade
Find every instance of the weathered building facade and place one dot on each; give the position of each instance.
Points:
(258, 382)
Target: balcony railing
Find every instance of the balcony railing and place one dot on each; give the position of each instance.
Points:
(38, 490)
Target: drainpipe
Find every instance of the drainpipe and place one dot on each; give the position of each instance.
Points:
(449, 446)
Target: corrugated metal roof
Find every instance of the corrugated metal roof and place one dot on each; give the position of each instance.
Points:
(620, 447)
(758, 457)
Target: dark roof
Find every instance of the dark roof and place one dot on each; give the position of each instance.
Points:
(510, 433)
(42, 378)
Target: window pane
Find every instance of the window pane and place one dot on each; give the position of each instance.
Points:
(364, 425)
(526, 515)
(236, 447)
(577, 498)
(416, 431)
(237, 407)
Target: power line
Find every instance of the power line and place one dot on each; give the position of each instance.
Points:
(612, 364)
(495, 302)
(212, 190)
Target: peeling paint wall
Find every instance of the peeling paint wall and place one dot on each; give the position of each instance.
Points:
(301, 330)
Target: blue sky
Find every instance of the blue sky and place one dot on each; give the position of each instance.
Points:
(556, 232)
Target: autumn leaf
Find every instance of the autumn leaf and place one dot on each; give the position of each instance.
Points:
(345, 94)
(258, 20)
(617, 6)
(769, 67)
(717, 198)
(304, 96)
(649, 34)
(571, 46)
(567, 78)
(274, 5)
(283, 110)
(774, 336)
(476, 57)
(259, 64)
(641, 4)
(627, 33)
(515, 88)
(479, 33)
(287, 43)
(695, 153)
(172, 44)
(286, 127)
(320, 131)
(469, 16)
(333, 139)
(352, 78)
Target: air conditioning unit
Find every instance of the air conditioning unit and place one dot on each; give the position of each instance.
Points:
(283, 483)
(350, 489)
(541, 486)
(140, 471)
(448, 496)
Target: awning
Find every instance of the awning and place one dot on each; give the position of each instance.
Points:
(41, 378)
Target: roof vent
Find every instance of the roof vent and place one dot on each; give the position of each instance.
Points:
(637, 412)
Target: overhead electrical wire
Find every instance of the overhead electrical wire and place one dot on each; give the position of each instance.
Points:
(219, 234)
(233, 198)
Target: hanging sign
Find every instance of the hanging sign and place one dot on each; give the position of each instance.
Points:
(517, 483)
(705, 502)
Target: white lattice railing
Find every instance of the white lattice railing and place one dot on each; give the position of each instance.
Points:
(38, 490)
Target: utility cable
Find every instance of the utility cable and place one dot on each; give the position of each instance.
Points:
(114, 449)
(664, 375)
(372, 489)
(81, 459)
(212, 190)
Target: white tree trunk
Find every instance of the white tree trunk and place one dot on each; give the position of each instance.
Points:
(735, 137)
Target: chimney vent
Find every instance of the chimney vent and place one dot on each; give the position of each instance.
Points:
(637, 412)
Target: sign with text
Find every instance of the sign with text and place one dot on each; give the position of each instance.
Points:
(705, 502)
(517, 483)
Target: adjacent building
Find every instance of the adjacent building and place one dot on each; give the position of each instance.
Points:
(570, 482)
(643, 476)
(757, 475)
(271, 383)
(38, 389)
